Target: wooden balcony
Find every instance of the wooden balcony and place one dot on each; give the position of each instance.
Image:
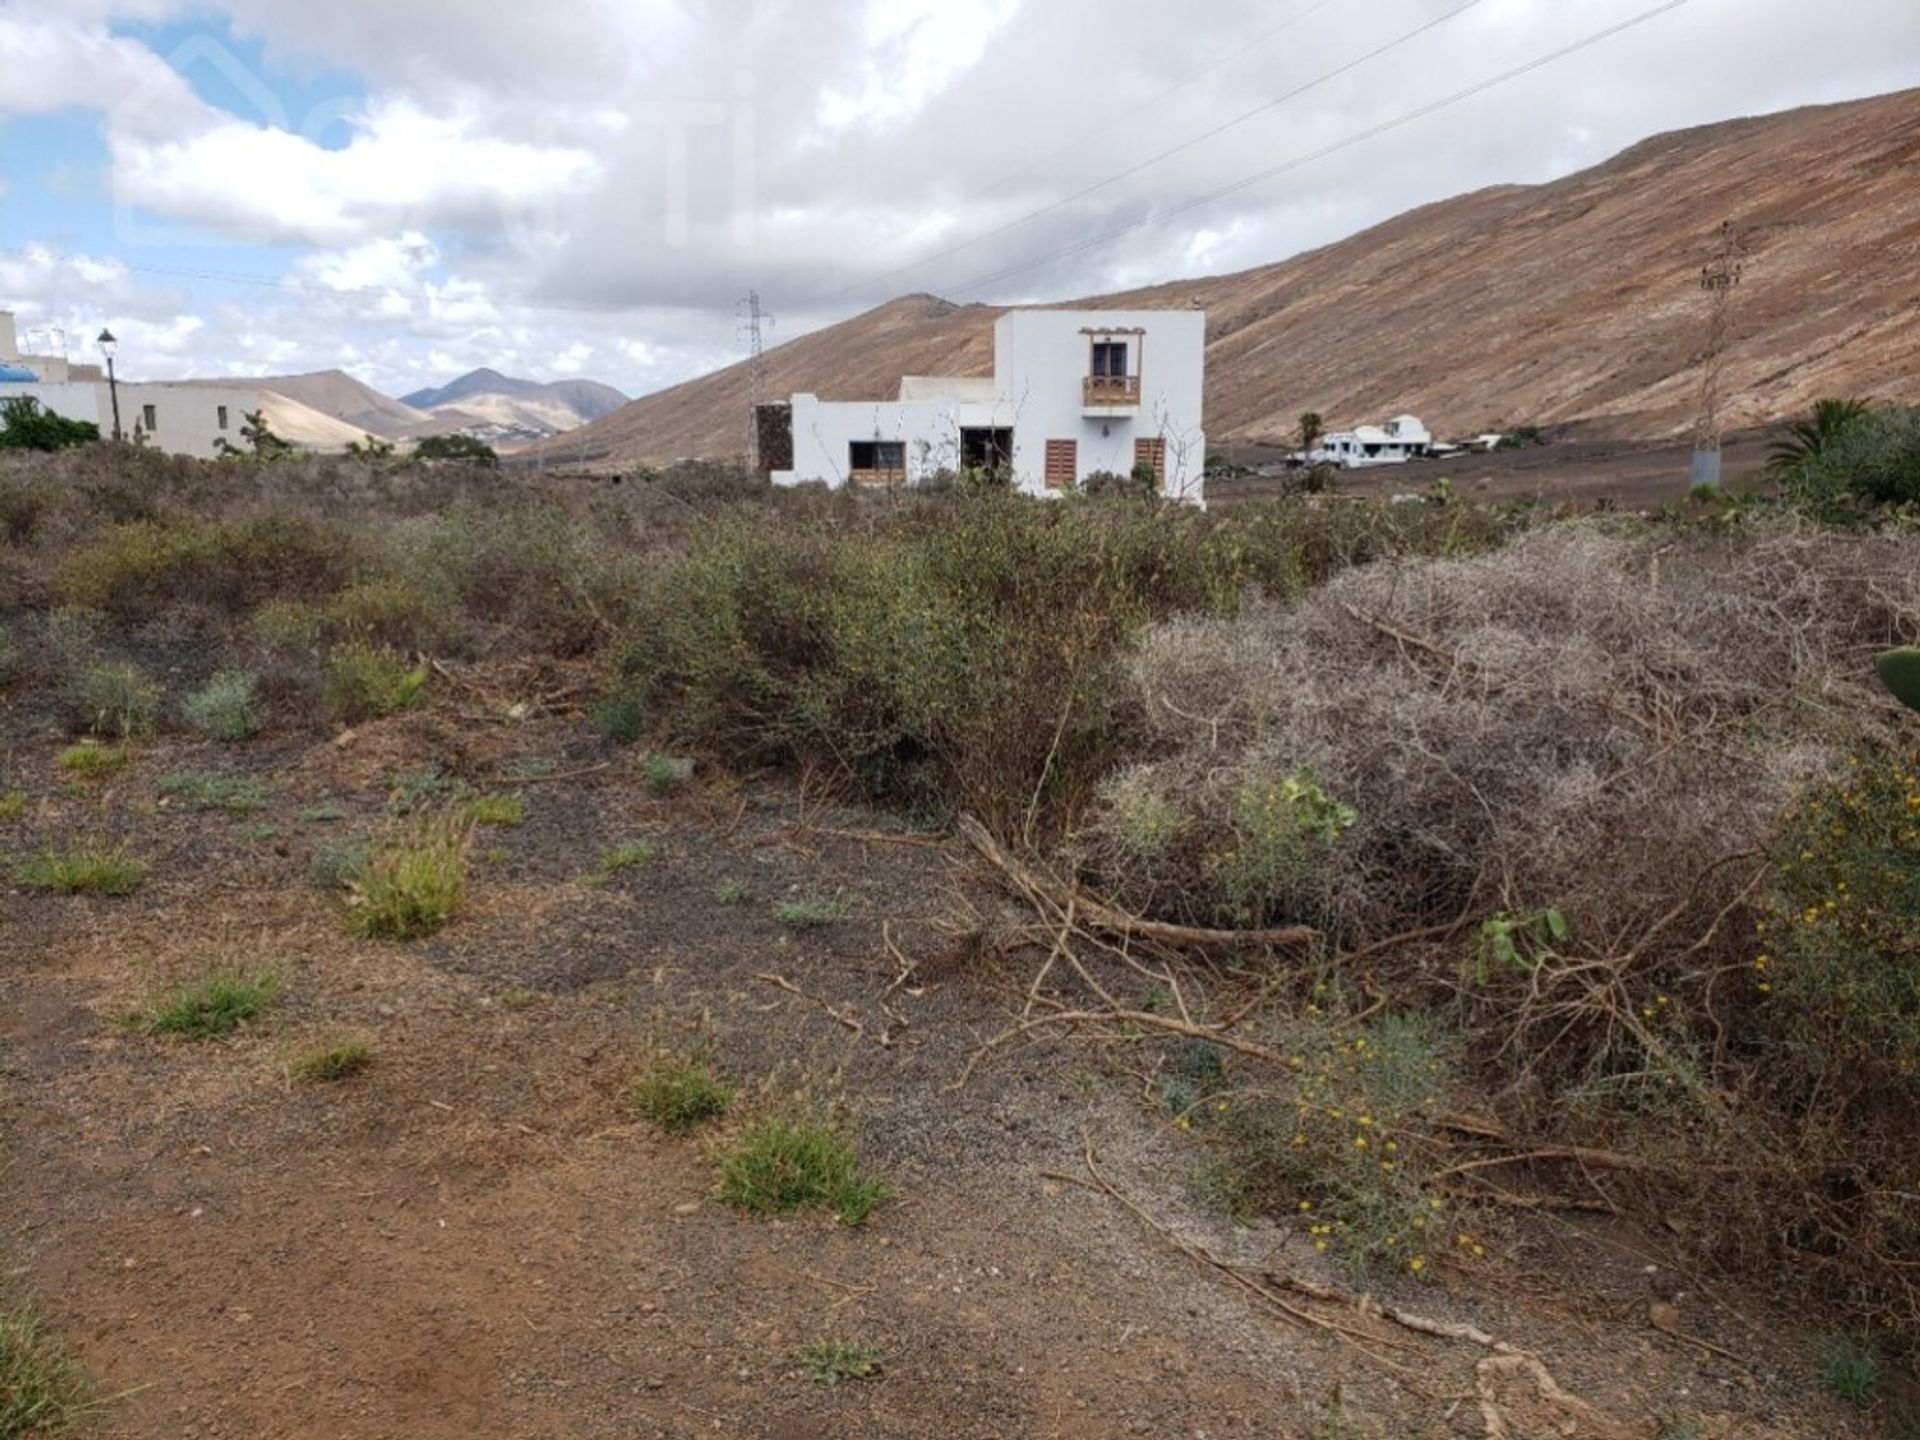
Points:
(1112, 392)
(883, 479)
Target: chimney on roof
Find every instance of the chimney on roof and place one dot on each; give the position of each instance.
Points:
(9, 345)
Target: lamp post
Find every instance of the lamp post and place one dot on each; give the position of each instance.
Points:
(107, 346)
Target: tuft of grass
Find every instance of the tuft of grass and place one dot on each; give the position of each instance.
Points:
(43, 1392)
(500, 810)
(325, 1064)
(117, 698)
(88, 868)
(811, 912)
(619, 718)
(225, 708)
(781, 1164)
(521, 998)
(733, 892)
(215, 1006)
(1849, 1370)
(365, 683)
(324, 814)
(628, 856)
(834, 1362)
(411, 887)
(209, 790)
(680, 1093)
(420, 789)
(13, 803)
(662, 775)
(91, 761)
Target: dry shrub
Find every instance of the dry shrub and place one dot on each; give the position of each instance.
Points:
(1579, 748)
(1573, 721)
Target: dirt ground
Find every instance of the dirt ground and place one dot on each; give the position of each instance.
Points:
(476, 1238)
(1631, 474)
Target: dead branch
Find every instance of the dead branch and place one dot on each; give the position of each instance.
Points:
(1119, 922)
(840, 1017)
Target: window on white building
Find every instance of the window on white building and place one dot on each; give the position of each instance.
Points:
(223, 416)
(1109, 359)
(150, 418)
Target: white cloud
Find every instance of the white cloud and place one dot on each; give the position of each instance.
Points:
(536, 190)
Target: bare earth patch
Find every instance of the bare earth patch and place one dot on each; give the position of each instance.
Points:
(475, 1235)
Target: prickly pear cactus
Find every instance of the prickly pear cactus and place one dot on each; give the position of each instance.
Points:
(1900, 669)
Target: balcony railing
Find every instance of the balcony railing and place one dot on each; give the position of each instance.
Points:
(892, 478)
(1108, 390)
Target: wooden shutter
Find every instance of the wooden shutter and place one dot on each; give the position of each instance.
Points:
(1154, 453)
(1063, 464)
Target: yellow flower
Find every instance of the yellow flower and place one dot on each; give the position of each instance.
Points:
(1417, 1264)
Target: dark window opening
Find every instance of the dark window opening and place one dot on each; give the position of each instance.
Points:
(985, 449)
(1109, 359)
(877, 455)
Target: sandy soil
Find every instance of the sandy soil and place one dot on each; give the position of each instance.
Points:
(476, 1238)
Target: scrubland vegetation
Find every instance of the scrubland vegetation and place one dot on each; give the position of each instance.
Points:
(1606, 828)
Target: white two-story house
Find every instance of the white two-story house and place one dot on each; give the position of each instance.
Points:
(1074, 393)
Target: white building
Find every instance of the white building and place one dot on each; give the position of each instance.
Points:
(179, 419)
(1074, 393)
(1394, 443)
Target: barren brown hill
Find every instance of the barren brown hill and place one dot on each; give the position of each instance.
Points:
(1543, 304)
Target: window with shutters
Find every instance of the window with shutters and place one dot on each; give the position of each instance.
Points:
(1063, 464)
(877, 462)
(1154, 453)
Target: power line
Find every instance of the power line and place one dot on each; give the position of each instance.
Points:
(1297, 162)
(1215, 132)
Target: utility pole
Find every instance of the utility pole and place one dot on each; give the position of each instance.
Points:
(754, 327)
(1719, 278)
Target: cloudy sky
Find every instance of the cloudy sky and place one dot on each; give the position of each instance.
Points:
(410, 188)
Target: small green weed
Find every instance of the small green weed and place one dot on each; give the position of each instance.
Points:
(217, 1005)
(811, 912)
(680, 1093)
(423, 788)
(43, 1392)
(13, 803)
(520, 998)
(834, 1362)
(411, 887)
(661, 774)
(364, 683)
(628, 856)
(259, 832)
(88, 868)
(225, 709)
(200, 790)
(338, 863)
(733, 892)
(325, 1064)
(324, 814)
(505, 811)
(90, 761)
(619, 718)
(782, 1164)
(1849, 1370)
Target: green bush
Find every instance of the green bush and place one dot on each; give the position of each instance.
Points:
(365, 683)
(91, 761)
(25, 425)
(780, 1164)
(1872, 460)
(962, 651)
(225, 708)
(117, 698)
(326, 1064)
(141, 568)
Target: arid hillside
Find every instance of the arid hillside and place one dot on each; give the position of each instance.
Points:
(1572, 301)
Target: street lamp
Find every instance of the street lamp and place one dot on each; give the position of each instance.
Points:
(107, 346)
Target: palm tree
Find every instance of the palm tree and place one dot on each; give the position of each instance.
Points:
(1312, 428)
(1807, 439)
